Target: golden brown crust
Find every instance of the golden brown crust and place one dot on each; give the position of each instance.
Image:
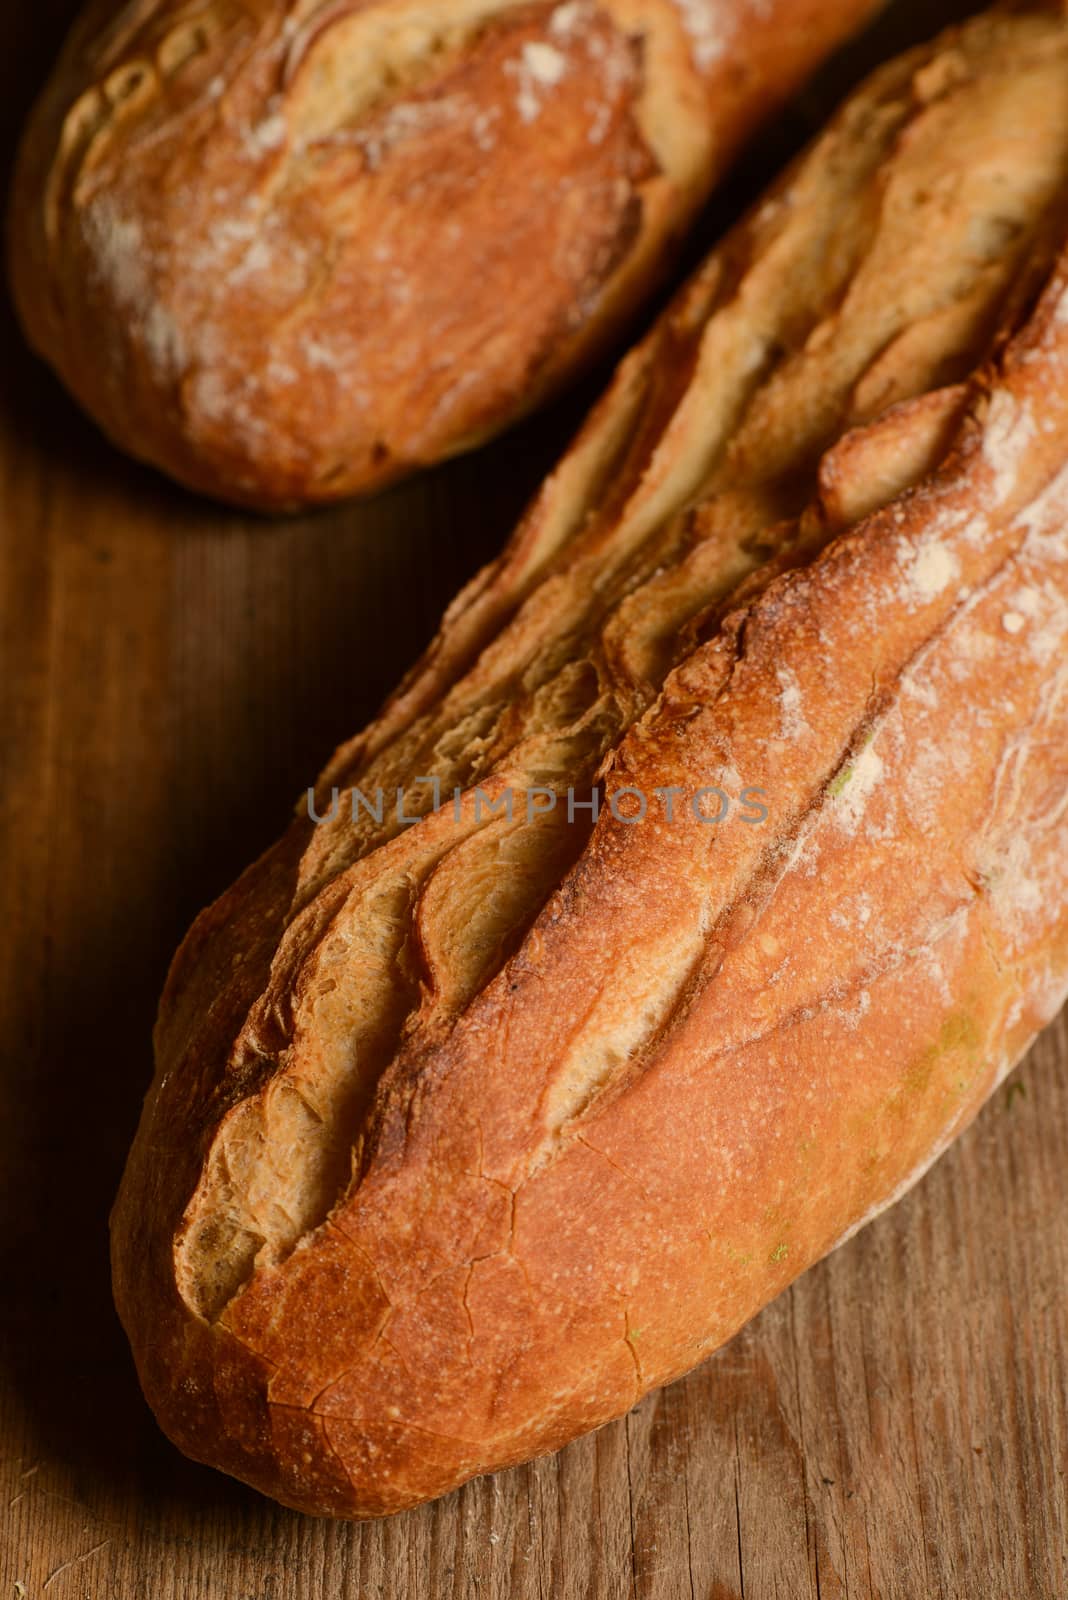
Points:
(289, 251)
(464, 1135)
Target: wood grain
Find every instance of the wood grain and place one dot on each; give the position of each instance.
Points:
(893, 1428)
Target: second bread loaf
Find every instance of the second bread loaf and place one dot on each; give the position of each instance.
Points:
(289, 251)
(465, 1134)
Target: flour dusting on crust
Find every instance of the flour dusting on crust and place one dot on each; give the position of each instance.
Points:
(707, 22)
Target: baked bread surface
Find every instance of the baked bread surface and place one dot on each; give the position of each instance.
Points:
(288, 250)
(465, 1134)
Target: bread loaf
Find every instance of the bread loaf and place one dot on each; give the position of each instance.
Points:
(465, 1134)
(290, 250)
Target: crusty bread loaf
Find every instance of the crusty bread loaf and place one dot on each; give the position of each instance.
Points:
(465, 1134)
(288, 251)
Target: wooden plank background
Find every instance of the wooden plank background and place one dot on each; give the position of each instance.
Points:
(172, 675)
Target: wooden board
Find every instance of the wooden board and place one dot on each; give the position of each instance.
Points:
(172, 675)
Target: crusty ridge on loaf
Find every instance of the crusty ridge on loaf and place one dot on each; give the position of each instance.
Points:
(443, 1114)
